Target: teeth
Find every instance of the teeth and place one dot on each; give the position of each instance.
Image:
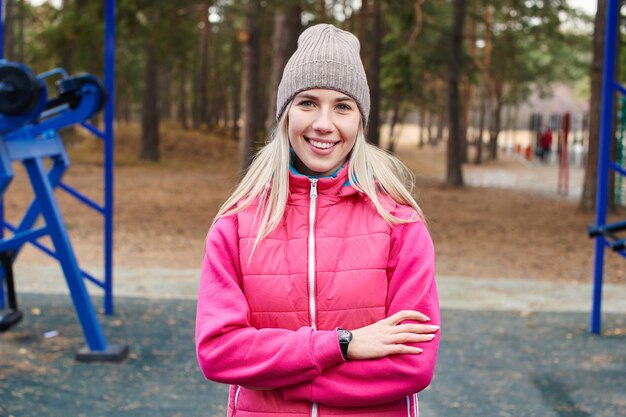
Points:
(321, 145)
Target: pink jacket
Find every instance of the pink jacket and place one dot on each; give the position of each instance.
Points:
(267, 325)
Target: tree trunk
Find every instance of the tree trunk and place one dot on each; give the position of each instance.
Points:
(321, 10)
(431, 126)
(21, 11)
(478, 158)
(363, 32)
(466, 99)
(203, 69)
(9, 37)
(250, 81)
(420, 127)
(195, 95)
(588, 197)
(393, 121)
(496, 121)
(150, 114)
(235, 82)
(441, 121)
(454, 170)
(373, 128)
(218, 111)
(182, 99)
(286, 28)
(165, 105)
(484, 84)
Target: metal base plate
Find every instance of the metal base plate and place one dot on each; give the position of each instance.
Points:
(113, 353)
(9, 318)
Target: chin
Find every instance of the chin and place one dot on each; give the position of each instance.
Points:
(323, 170)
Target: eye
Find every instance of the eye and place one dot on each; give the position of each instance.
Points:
(344, 107)
(306, 103)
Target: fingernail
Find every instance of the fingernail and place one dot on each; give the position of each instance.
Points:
(432, 336)
(418, 350)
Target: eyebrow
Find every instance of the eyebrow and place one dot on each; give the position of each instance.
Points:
(314, 97)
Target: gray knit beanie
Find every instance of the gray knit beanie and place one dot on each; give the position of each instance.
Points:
(327, 57)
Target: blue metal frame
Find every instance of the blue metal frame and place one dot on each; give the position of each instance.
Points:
(108, 137)
(29, 139)
(109, 151)
(609, 87)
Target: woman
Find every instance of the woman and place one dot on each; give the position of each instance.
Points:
(317, 294)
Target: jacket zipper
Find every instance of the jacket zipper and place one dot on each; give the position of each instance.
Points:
(311, 257)
(311, 266)
(236, 400)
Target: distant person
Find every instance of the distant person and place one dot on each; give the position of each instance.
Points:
(546, 145)
(317, 295)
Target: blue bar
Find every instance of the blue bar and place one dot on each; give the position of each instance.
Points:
(620, 88)
(617, 168)
(53, 112)
(109, 154)
(36, 244)
(20, 238)
(49, 252)
(606, 121)
(32, 213)
(52, 72)
(58, 234)
(2, 17)
(20, 149)
(93, 279)
(81, 197)
(94, 130)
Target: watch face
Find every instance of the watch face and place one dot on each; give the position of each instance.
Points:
(344, 334)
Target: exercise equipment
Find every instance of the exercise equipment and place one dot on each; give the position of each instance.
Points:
(30, 136)
(19, 89)
(12, 315)
(606, 234)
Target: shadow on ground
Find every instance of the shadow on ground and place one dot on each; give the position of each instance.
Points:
(491, 364)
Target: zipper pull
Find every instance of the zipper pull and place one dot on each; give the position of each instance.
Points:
(313, 187)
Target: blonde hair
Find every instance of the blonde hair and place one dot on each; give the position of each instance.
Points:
(371, 170)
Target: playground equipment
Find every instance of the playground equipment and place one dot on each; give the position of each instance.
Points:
(606, 235)
(29, 124)
(620, 184)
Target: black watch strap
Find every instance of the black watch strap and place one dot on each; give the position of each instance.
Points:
(345, 337)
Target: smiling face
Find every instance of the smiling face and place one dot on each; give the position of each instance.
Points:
(323, 125)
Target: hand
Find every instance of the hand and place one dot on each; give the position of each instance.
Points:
(387, 337)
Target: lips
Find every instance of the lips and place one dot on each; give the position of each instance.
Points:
(318, 144)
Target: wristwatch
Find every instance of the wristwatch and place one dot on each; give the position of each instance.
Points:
(345, 336)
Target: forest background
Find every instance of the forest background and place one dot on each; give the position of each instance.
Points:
(195, 97)
(214, 65)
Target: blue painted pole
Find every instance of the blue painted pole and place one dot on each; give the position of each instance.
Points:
(2, 17)
(606, 125)
(109, 152)
(64, 252)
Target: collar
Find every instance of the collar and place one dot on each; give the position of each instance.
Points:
(331, 187)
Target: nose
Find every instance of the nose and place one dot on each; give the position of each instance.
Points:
(323, 121)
